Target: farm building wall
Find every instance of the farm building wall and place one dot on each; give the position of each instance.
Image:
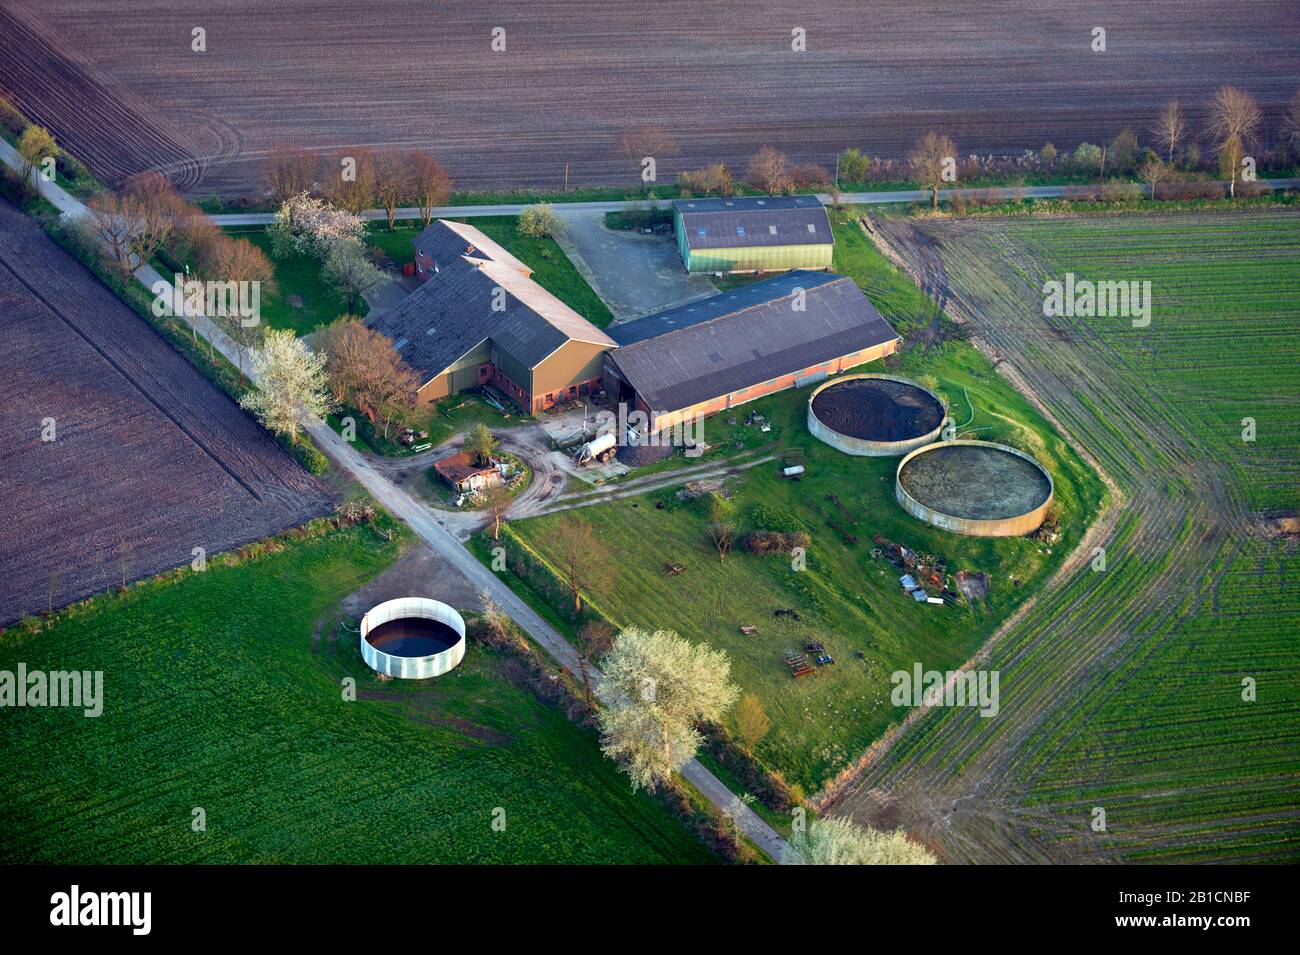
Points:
(470, 371)
(772, 258)
(665, 419)
(572, 369)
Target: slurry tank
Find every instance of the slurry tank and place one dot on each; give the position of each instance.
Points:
(412, 638)
(974, 487)
(875, 415)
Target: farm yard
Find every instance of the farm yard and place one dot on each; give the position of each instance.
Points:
(1123, 689)
(848, 599)
(573, 75)
(221, 691)
(148, 460)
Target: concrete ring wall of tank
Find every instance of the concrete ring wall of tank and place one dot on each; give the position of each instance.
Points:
(412, 668)
(1012, 526)
(863, 447)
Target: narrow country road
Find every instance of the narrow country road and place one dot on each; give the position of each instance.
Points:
(425, 525)
(846, 198)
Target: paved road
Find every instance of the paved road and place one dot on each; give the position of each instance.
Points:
(426, 526)
(847, 198)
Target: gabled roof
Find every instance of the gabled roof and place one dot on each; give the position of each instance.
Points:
(745, 337)
(445, 241)
(452, 314)
(749, 221)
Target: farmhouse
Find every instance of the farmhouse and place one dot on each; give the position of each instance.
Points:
(711, 355)
(754, 234)
(480, 319)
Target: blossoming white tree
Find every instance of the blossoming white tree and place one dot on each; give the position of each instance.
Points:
(313, 227)
(840, 842)
(291, 384)
(665, 687)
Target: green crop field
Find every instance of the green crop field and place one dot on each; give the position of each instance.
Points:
(218, 696)
(847, 599)
(1162, 689)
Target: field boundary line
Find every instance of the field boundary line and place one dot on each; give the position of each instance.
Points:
(1104, 522)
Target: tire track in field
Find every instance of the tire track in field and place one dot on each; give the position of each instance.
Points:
(962, 782)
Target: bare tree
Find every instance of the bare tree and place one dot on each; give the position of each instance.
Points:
(1231, 153)
(810, 176)
(1170, 126)
(1291, 125)
(769, 170)
(156, 207)
(580, 557)
(289, 170)
(430, 184)
(723, 536)
(392, 182)
(113, 220)
(238, 260)
(365, 370)
(1234, 117)
(496, 500)
(1234, 114)
(351, 182)
(1152, 170)
(646, 142)
(932, 160)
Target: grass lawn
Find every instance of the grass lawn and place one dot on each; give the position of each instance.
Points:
(847, 599)
(296, 275)
(217, 695)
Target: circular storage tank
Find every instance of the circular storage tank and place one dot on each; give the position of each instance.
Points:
(877, 416)
(412, 638)
(974, 487)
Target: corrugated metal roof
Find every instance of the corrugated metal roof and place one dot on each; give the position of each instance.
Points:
(752, 221)
(745, 337)
(452, 313)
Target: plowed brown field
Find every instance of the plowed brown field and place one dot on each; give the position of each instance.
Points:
(721, 76)
(148, 461)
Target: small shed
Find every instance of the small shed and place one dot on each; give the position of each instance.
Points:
(461, 472)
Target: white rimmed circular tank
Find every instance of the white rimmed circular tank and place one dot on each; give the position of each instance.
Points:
(412, 638)
(976, 488)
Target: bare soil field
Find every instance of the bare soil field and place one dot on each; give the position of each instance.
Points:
(148, 461)
(574, 73)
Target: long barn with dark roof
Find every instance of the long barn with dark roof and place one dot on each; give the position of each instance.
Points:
(479, 319)
(711, 355)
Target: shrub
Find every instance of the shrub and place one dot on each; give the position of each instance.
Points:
(763, 542)
(540, 221)
(773, 518)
